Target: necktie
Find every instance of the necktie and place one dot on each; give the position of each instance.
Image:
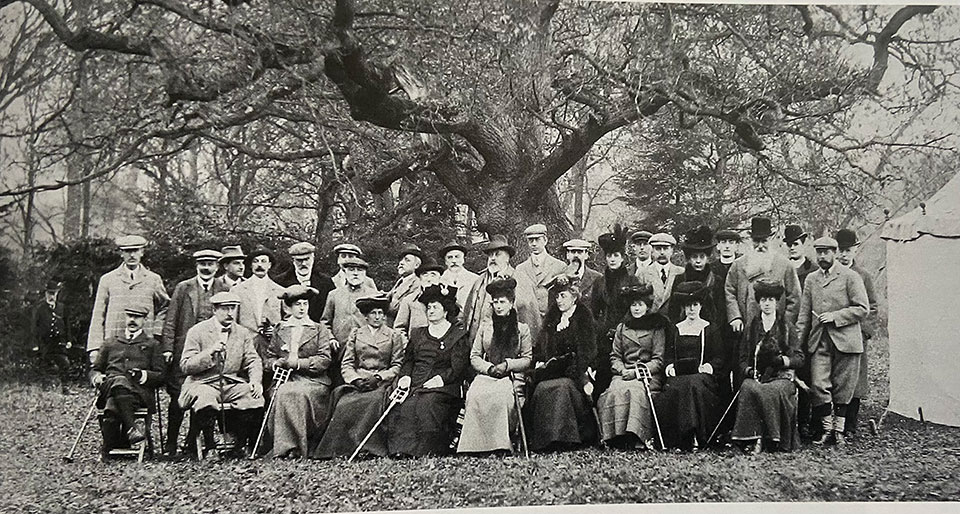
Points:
(206, 288)
(663, 275)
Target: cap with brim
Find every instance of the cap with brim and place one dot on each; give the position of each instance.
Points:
(131, 242)
(766, 288)
(301, 248)
(410, 249)
(662, 239)
(452, 245)
(498, 242)
(728, 235)
(380, 300)
(348, 248)
(225, 298)
(428, 265)
(258, 251)
(53, 285)
(231, 253)
(641, 236)
(206, 255)
(793, 232)
(297, 292)
(846, 238)
(632, 293)
(354, 262)
(535, 230)
(760, 227)
(137, 310)
(688, 292)
(576, 244)
(825, 242)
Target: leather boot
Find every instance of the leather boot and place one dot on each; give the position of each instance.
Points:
(827, 435)
(838, 431)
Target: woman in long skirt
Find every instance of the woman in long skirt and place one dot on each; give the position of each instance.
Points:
(770, 354)
(638, 342)
(372, 357)
(558, 414)
(689, 407)
(300, 406)
(434, 368)
(502, 346)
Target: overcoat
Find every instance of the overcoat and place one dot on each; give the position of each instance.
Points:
(341, 314)
(318, 281)
(115, 292)
(118, 356)
(484, 340)
(607, 306)
(805, 269)
(644, 344)
(240, 361)
(313, 350)
(368, 352)
(840, 291)
(783, 340)
(540, 275)
(185, 312)
(478, 305)
(661, 291)
(255, 309)
(462, 279)
(572, 349)
(48, 330)
(406, 287)
(745, 271)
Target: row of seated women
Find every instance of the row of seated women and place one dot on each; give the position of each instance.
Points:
(666, 388)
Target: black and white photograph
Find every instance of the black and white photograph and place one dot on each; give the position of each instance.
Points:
(397, 255)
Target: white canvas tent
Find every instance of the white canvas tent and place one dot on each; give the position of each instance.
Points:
(923, 298)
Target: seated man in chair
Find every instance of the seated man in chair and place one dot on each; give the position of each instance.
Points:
(223, 371)
(125, 372)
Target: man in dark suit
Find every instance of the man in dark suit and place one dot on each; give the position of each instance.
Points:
(833, 305)
(50, 339)
(305, 273)
(795, 239)
(189, 305)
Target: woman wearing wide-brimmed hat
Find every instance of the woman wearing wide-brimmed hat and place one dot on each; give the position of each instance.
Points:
(690, 406)
(558, 413)
(435, 365)
(501, 348)
(638, 342)
(770, 354)
(301, 404)
(698, 245)
(372, 357)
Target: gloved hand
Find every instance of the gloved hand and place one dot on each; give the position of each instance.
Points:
(404, 382)
(628, 374)
(97, 380)
(751, 373)
(706, 367)
(670, 371)
(362, 384)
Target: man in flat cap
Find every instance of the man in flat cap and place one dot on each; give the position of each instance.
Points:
(479, 305)
(578, 252)
(305, 273)
(49, 333)
(233, 262)
(834, 303)
(340, 313)
(189, 305)
(746, 270)
(408, 284)
(223, 368)
(413, 312)
(452, 255)
(130, 283)
(795, 239)
(641, 250)
(540, 267)
(344, 252)
(126, 370)
(661, 273)
(847, 244)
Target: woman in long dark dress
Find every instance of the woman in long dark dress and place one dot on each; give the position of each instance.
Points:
(770, 354)
(434, 367)
(689, 406)
(558, 414)
(372, 357)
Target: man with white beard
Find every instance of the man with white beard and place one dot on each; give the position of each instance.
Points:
(344, 252)
(452, 255)
(305, 273)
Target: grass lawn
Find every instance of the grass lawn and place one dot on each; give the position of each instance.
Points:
(907, 460)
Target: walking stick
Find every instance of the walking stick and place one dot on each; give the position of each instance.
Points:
(69, 457)
(397, 396)
(159, 418)
(280, 376)
(644, 376)
(523, 430)
(733, 401)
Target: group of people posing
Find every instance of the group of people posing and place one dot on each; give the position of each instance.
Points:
(754, 349)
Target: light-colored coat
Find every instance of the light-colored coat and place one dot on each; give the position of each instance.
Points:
(313, 351)
(540, 275)
(340, 281)
(650, 274)
(368, 353)
(412, 314)
(484, 340)
(115, 292)
(462, 279)
(478, 305)
(269, 303)
(744, 272)
(841, 292)
(199, 364)
(341, 314)
(405, 287)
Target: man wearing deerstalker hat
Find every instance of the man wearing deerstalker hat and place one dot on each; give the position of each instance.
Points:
(540, 267)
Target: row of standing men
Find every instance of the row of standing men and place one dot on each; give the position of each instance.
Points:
(552, 338)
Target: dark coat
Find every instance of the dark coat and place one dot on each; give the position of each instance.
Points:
(184, 312)
(686, 358)
(804, 270)
(606, 305)
(318, 281)
(48, 330)
(424, 358)
(573, 349)
(714, 307)
(118, 356)
(782, 340)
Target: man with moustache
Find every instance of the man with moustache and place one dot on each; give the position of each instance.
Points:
(129, 284)
(578, 252)
(189, 305)
(641, 250)
(540, 267)
(413, 312)
(751, 267)
(340, 314)
(233, 262)
(834, 303)
(479, 307)
(259, 295)
(411, 256)
(847, 243)
(452, 254)
(795, 238)
(305, 273)
(661, 274)
(344, 252)
(223, 368)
